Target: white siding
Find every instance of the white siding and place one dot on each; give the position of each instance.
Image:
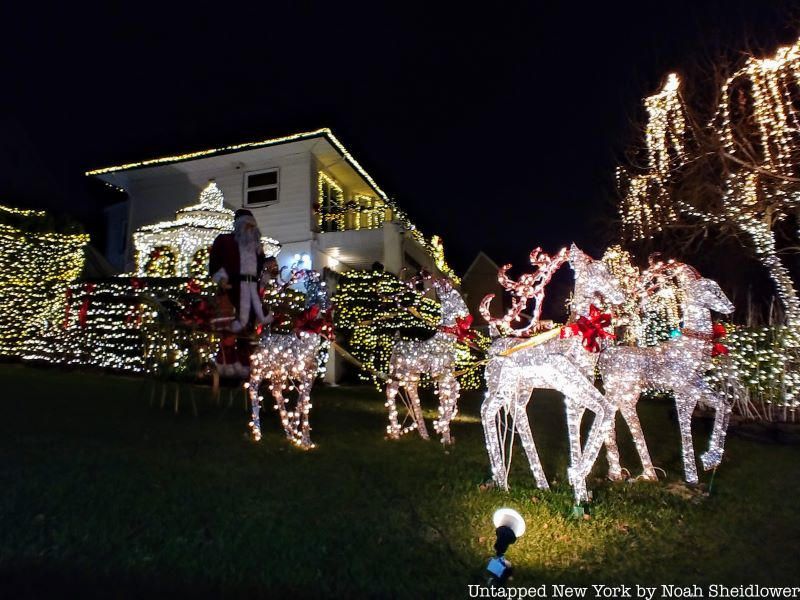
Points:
(288, 220)
(157, 193)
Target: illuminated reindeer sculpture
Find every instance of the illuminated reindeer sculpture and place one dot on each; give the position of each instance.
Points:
(291, 360)
(435, 357)
(563, 365)
(676, 365)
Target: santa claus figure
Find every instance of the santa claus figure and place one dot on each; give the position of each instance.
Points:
(236, 264)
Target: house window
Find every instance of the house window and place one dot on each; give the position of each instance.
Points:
(261, 187)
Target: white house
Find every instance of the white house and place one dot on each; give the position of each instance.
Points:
(305, 190)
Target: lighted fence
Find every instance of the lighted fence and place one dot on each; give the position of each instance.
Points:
(128, 324)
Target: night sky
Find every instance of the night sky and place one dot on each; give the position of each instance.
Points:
(497, 127)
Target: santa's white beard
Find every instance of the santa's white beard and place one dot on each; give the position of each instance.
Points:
(248, 237)
(249, 246)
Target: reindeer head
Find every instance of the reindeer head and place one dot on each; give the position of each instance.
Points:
(529, 287)
(453, 305)
(592, 279)
(703, 291)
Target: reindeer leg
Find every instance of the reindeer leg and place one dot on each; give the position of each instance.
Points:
(628, 410)
(612, 450)
(722, 411)
(448, 406)
(304, 408)
(574, 418)
(255, 406)
(393, 429)
(490, 407)
(526, 437)
(280, 406)
(565, 376)
(685, 402)
(411, 388)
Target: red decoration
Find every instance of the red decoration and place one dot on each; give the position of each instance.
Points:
(313, 322)
(194, 286)
(592, 329)
(719, 332)
(88, 288)
(137, 283)
(462, 329)
(198, 314)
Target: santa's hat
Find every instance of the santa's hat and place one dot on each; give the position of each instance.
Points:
(244, 216)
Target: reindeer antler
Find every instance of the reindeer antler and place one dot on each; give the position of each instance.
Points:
(530, 286)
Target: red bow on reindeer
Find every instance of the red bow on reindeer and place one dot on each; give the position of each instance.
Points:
(462, 329)
(592, 328)
(312, 321)
(718, 332)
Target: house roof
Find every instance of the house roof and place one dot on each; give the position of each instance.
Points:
(480, 257)
(323, 133)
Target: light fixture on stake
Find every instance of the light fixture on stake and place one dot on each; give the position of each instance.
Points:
(509, 525)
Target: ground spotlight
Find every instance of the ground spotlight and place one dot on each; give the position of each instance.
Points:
(509, 526)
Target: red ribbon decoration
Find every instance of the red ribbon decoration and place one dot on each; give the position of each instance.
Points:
(84, 311)
(137, 283)
(193, 286)
(312, 321)
(592, 329)
(718, 331)
(462, 329)
(197, 313)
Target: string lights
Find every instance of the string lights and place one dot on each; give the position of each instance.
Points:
(374, 307)
(127, 324)
(435, 357)
(35, 267)
(769, 82)
(755, 134)
(291, 361)
(515, 369)
(677, 366)
(178, 248)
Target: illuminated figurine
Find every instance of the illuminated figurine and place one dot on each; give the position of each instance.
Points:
(435, 357)
(291, 361)
(236, 264)
(516, 367)
(677, 365)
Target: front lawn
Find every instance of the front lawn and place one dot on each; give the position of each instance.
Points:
(104, 494)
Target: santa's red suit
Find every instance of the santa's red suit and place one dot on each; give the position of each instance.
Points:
(236, 262)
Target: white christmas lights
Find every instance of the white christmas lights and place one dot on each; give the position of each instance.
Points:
(35, 270)
(676, 366)
(435, 357)
(560, 364)
(173, 248)
(292, 361)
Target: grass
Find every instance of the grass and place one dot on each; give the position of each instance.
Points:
(103, 494)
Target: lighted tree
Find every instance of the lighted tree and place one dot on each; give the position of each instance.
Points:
(735, 170)
(374, 308)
